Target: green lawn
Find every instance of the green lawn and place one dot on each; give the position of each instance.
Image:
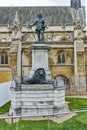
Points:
(4, 125)
(5, 108)
(77, 103)
(78, 122)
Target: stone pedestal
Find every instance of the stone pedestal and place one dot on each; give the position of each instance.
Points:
(40, 58)
(37, 100)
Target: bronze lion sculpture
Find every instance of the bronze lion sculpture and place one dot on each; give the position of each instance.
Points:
(39, 77)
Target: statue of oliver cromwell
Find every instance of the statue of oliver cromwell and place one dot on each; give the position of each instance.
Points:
(40, 27)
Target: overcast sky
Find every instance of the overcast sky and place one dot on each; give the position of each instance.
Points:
(36, 2)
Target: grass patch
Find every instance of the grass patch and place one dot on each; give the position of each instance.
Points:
(4, 125)
(77, 103)
(36, 125)
(78, 122)
(5, 108)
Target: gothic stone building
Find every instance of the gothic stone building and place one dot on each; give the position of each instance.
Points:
(65, 34)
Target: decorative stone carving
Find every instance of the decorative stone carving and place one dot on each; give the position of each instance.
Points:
(16, 21)
(80, 46)
(14, 48)
(16, 28)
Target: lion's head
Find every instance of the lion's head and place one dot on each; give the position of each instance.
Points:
(40, 73)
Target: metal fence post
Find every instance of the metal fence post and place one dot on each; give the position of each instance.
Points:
(48, 122)
(12, 121)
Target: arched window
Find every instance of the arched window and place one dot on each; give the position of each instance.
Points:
(4, 59)
(61, 58)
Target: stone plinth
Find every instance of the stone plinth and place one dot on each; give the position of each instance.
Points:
(37, 100)
(40, 58)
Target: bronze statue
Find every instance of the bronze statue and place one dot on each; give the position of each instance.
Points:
(40, 27)
(39, 77)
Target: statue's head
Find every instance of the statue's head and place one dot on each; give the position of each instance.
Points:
(40, 15)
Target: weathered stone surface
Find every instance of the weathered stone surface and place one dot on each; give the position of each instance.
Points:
(37, 100)
(38, 87)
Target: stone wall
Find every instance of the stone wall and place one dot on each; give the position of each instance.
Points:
(5, 76)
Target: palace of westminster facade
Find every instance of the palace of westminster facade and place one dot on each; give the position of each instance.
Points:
(65, 34)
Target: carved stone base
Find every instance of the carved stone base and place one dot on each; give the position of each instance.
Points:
(37, 100)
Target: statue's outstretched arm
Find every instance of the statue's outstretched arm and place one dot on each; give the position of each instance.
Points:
(32, 24)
